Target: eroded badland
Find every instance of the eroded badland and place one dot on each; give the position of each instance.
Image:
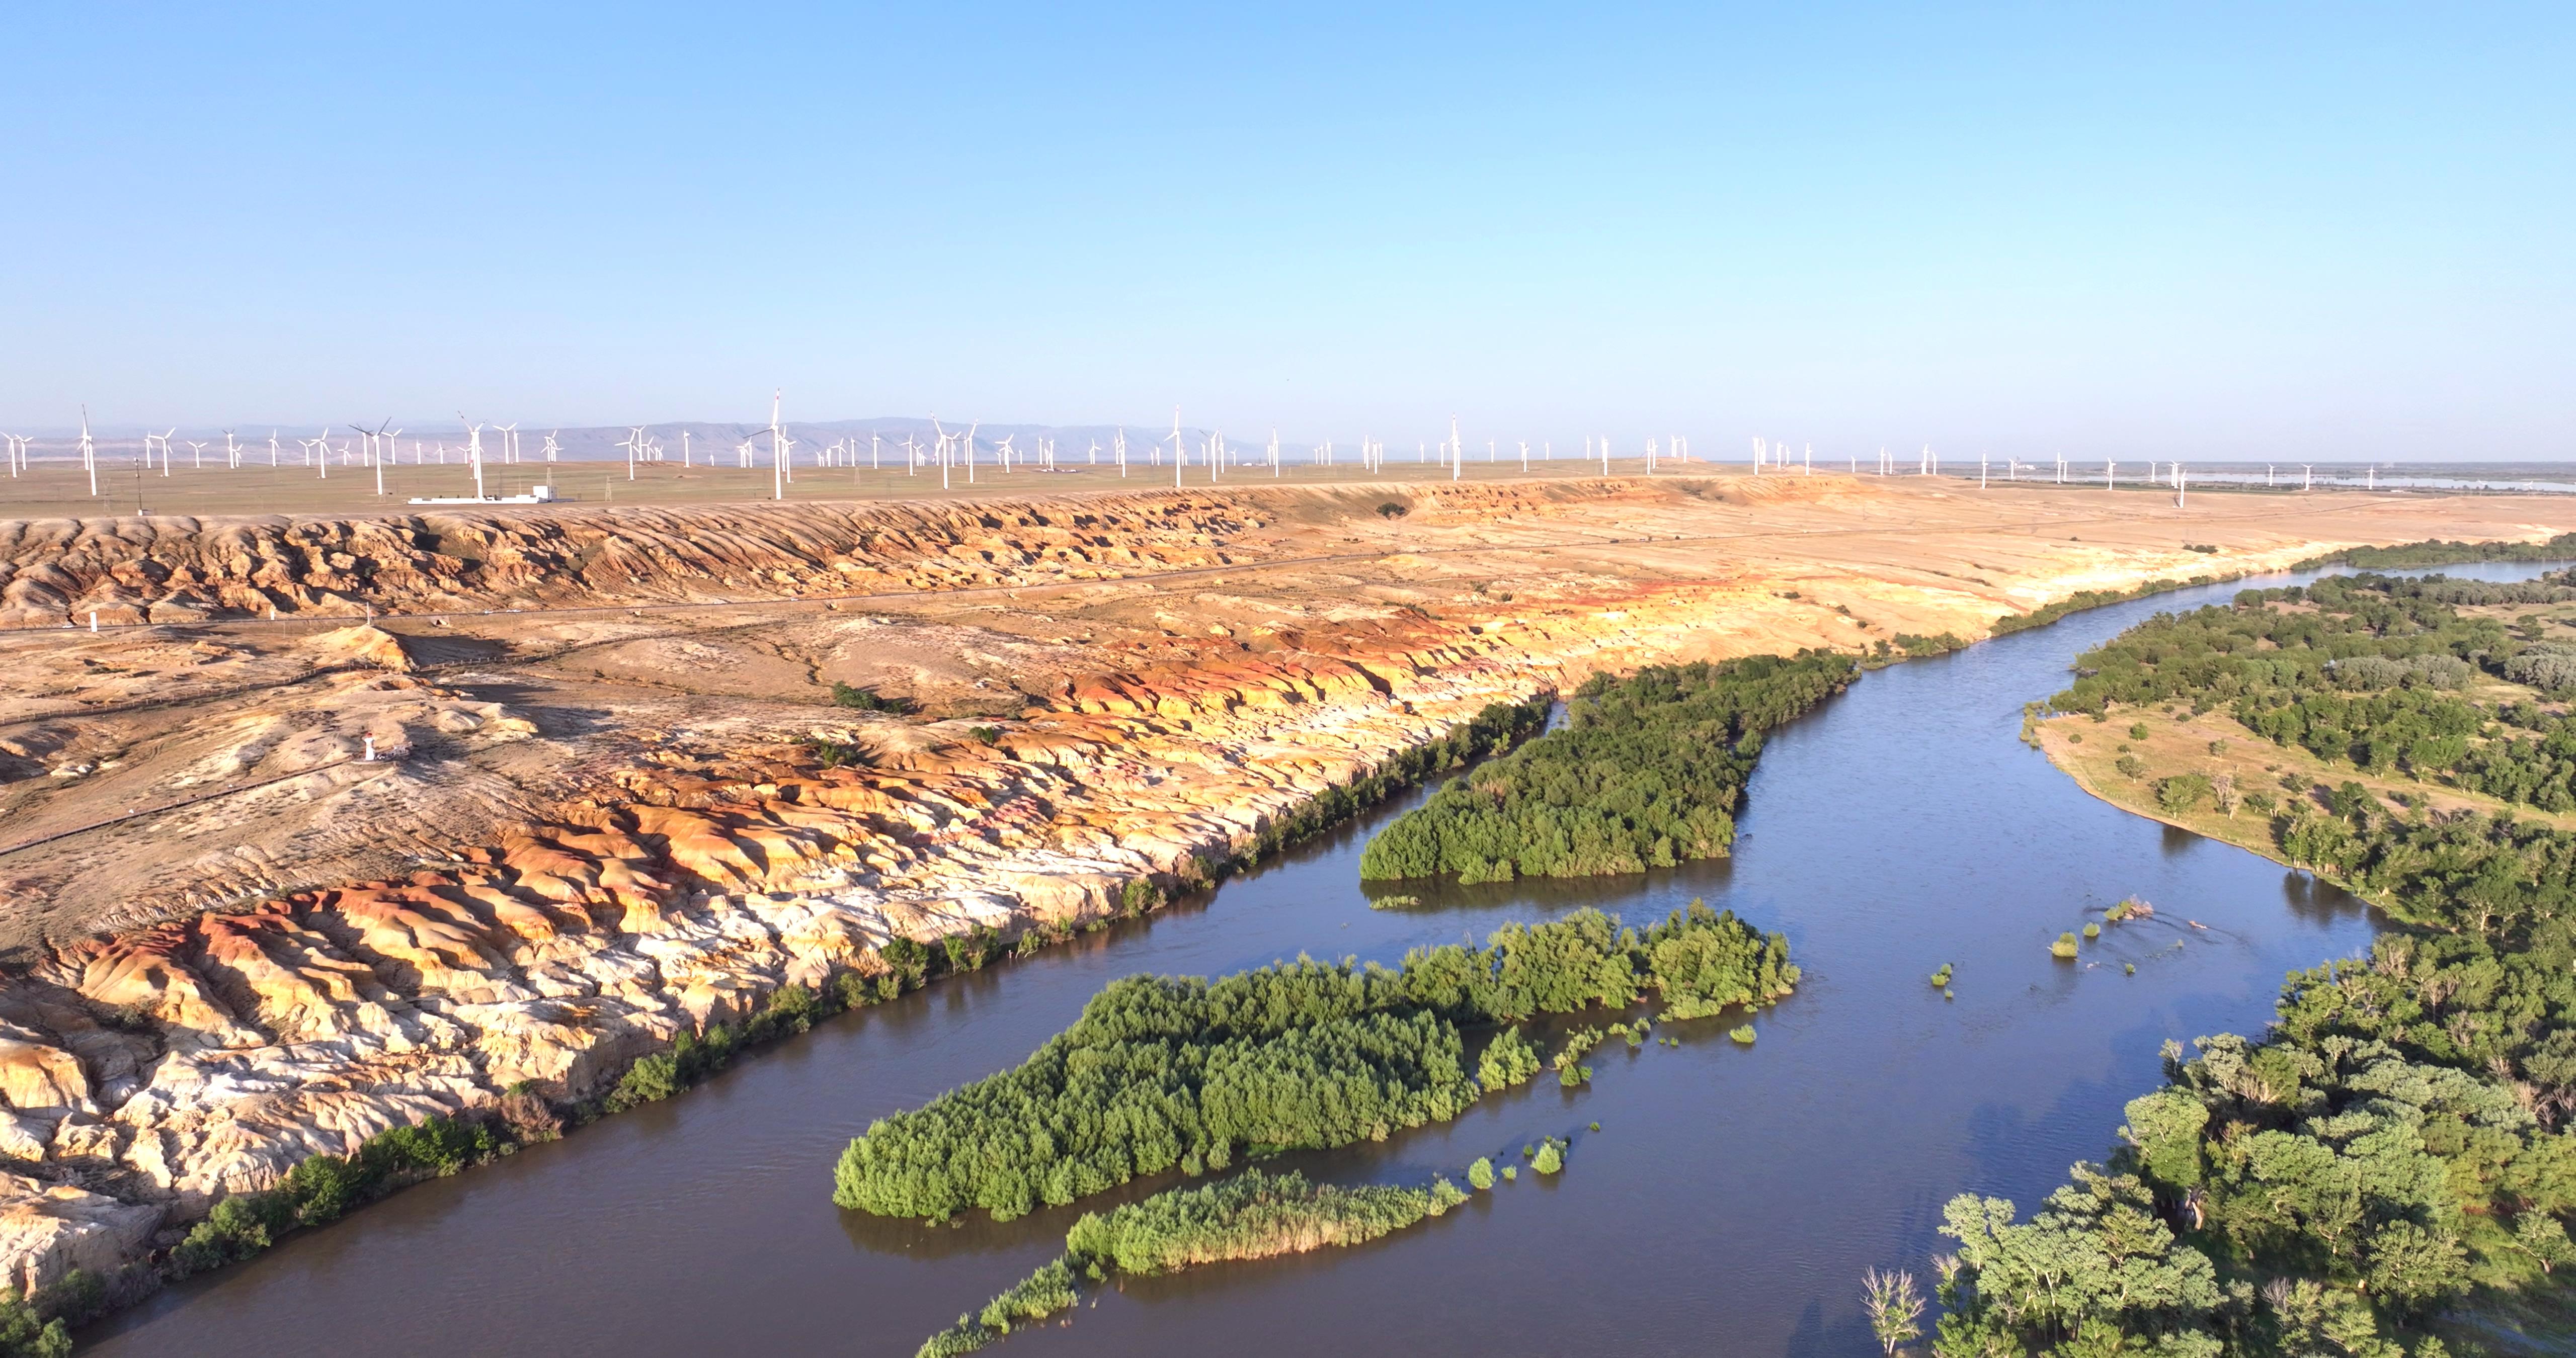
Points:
(615, 800)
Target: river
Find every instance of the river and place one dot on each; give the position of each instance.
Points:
(1728, 1204)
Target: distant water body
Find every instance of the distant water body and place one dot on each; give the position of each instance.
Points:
(1728, 1204)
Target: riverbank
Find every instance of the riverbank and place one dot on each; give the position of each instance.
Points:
(691, 866)
(2386, 735)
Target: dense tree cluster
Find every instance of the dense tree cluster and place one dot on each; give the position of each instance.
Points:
(2438, 552)
(1648, 772)
(1251, 1216)
(2400, 1140)
(1174, 1072)
(2363, 669)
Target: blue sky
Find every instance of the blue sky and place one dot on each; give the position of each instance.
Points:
(2171, 230)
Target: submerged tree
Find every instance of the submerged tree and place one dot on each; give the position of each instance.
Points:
(1894, 1306)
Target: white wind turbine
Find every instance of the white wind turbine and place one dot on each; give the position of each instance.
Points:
(633, 443)
(89, 452)
(198, 451)
(376, 441)
(473, 451)
(778, 446)
(551, 447)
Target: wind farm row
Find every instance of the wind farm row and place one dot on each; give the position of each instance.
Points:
(487, 462)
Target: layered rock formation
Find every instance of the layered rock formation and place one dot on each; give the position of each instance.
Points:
(177, 569)
(660, 876)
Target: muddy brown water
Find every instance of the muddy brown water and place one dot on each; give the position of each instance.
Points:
(1728, 1204)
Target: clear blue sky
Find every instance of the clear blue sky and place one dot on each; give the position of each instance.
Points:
(2208, 231)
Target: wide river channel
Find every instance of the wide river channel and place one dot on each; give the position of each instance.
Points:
(1728, 1204)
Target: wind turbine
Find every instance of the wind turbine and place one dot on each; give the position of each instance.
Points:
(375, 453)
(551, 446)
(779, 443)
(89, 452)
(473, 451)
(1180, 450)
(633, 443)
(199, 451)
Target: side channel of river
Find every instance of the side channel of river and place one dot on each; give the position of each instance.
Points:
(1727, 1205)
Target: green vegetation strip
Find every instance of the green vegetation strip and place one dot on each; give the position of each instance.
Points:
(2394, 1156)
(1163, 1073)
(1648, 772)
(2436, 552)
(1252, 1216)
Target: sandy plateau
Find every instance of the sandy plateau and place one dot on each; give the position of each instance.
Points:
(599, 816)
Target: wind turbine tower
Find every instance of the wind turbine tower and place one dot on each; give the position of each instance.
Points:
(777, 448)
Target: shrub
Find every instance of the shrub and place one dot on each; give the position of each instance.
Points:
(26, 1334)
(1507, 1060)
(2181, 792)
(2130, 766)
(1550, 1157)
(2138, 731)
(1481, 1173)
(866, 700)
(2065, 946)
(834, 754)
(1742, 1036)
